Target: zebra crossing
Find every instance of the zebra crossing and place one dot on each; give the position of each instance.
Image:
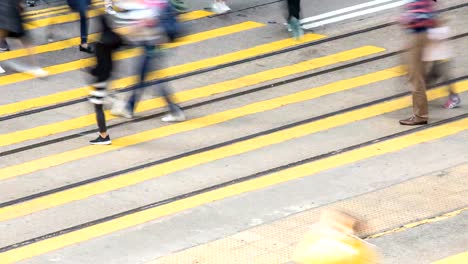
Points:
(268, 115)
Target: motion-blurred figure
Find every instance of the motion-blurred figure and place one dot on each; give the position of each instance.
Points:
(333, 240)
(437, 54)
(108, 42)
(11, 25)
(153, 22)
(418, 18)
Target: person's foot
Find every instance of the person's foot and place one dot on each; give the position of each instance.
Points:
(413, 121)
(225, 7)
(38, 73)
(101, 141)
(296, 28)
(218, 8)
(86, 48)
(110, 10)
(178, 116)
(120, 108)
(452, 102)
(1, 70)
(4, 46)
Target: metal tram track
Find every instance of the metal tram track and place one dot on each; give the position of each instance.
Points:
(228, 183)
(215, 146)
(210, 101)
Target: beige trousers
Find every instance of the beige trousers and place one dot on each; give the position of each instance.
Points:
(416, 71)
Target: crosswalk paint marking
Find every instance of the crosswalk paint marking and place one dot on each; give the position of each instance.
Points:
(126, 54)
(197, 93)
(461, 258)
(168, 72)
(49, 9)
(69, 43)
(305, 170)
(85, 191)
(343, 10)
(355, 14)
(52, 11)
(152, 134)
(73, 42)
(30, 25)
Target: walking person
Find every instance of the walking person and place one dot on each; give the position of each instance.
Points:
(81, 6)
(146, 32)
(438, 54)
(418, 18)
(294, 14)
(105, 46)
(11, 25)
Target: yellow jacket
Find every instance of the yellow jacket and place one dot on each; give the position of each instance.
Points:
(327, 246)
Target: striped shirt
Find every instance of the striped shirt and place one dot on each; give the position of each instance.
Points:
(419, 15)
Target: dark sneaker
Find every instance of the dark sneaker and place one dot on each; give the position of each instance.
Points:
(452, 102)
(101, 141)
(4, 46)
(413, 121)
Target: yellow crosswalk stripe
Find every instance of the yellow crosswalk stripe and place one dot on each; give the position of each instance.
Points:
(71, 17)
(73, 42)
(171, 71)
(461, 258)
(83, 192)
(46, 10)
(152, 134)
(52, 11)
(126, 54)
(197, 93)
(305, 170)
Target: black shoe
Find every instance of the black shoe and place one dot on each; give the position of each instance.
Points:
(101, 141)
(4, 46)
(87, 49)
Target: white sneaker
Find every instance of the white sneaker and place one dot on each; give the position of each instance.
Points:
(110, 10)
(217, 8)
(2, 70)
(119, 108)
(224, 7)
(179, 117)
(38, 72)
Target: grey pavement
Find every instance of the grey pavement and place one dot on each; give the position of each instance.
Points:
(218, 219)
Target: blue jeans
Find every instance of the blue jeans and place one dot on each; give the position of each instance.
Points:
(150, 52)
(82, 8)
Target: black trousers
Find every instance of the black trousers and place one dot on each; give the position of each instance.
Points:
(100, 118)
(294, 9)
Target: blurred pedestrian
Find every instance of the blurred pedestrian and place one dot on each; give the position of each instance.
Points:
(438, 54)
(418, 18)
(294, 14)
(108, 42)
(81, 6)
(220, 7)
(11, 25)
(148, 23)
(334, 240)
